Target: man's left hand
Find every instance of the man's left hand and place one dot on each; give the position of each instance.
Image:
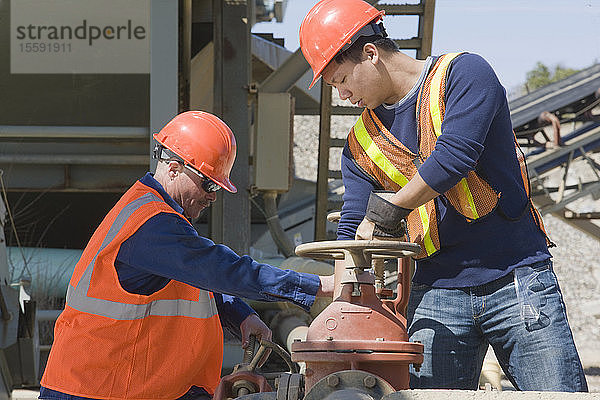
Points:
(253, 325)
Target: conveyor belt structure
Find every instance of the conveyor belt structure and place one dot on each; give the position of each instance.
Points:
(579, 144)
(563, 95)
(567, 99)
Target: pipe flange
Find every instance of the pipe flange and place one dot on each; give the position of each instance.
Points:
(349, 385)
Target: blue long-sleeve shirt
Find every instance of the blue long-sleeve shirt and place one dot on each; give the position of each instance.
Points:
(476, 135)
(166, 247)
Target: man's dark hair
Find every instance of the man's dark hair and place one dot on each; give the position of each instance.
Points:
(354, 52)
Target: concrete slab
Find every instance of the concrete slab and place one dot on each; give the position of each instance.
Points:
(485, 395)
(24, 394)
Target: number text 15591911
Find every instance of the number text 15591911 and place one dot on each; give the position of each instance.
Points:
(45, 47)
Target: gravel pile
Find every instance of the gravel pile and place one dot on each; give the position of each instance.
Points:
(576, 257)
(577, 265)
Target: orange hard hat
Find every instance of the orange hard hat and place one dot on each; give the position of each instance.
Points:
(329, 26)
(203, 141)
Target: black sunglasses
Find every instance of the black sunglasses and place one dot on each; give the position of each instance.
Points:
(208, 185)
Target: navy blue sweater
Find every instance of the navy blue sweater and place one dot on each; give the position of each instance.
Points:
(476, 135)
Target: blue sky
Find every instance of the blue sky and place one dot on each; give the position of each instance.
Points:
(513, 35)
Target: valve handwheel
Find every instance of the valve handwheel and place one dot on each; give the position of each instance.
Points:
(365, 249)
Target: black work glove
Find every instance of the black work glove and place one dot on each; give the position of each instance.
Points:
(389, 219)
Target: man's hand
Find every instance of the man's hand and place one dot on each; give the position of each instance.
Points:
(383, 218)
(326, 287)
(365, 230)
(253, 325)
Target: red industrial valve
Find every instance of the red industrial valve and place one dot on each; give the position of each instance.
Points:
(358, 330)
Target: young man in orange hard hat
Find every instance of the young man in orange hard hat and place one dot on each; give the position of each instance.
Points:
(147, 300)
(436, 135)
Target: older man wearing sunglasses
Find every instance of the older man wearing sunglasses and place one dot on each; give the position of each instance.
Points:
(149, 297)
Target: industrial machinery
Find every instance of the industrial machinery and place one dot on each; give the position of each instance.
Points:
(19, 352)
(358, 346)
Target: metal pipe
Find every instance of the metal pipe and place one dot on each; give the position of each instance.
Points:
(283, 242)
(323, 164)
(547, 118)
(73, 132)
(289, 329)
(185, 50)
(50, 269)
(284, 77)
(584, 215)
(74, 159)
(6, 315)
(47, 315)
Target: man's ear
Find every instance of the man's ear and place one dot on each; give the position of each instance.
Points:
(371, 52)
(174, 168)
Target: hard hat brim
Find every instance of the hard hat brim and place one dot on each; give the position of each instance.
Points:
(227, 185)
(315, 79)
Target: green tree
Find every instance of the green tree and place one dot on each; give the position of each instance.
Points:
(562, 73)
(542, 76)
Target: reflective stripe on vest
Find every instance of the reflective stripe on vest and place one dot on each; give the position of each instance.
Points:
(375, 154)
(204, 307)
(436, 117)
(434, 91)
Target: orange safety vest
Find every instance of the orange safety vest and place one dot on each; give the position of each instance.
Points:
(112, 344)
(394, 165)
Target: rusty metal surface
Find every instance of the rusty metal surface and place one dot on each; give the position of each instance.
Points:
(357, 318)
(290, 387)
(395, 372)
(239, 383)
(246, 377)
(357, 358)
(349, 385)
(358, 346)
(358, 331)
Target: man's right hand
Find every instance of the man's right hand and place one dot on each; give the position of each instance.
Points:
(326, 287)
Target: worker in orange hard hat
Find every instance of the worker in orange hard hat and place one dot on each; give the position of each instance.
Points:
(436, 137)
(149, 298)
(331, 27)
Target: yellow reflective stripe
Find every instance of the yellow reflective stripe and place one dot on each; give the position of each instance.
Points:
(365, 141)
(429, 247)
(369, 146)
(436, 117)
(467, 191)
(434, 92)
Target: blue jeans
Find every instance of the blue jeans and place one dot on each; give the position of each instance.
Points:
(456, 325)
